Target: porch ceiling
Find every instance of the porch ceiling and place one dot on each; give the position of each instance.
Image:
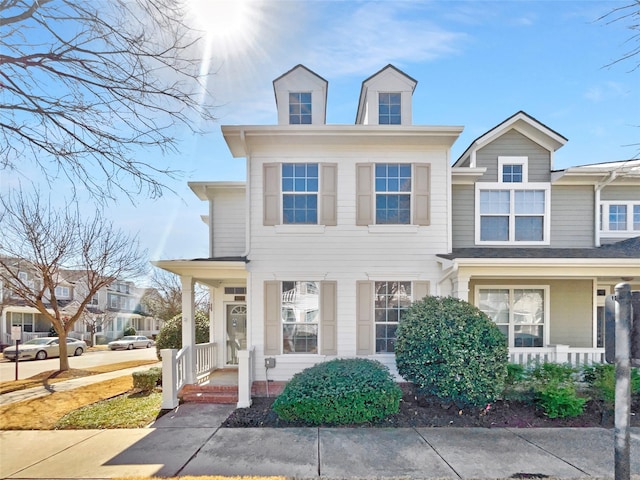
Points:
(210, 272)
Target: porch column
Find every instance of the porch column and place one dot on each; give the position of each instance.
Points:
(461, 287)
(188, 328)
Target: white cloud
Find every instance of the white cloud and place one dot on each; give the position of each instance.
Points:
(606, 91)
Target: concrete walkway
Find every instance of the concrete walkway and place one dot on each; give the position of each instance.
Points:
(66, 385)
(189, 441)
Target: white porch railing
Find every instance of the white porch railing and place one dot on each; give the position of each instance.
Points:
(205, 361)
(576, 357)
(174, 370)
(26, 336)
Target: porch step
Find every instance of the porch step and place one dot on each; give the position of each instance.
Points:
(209, 394)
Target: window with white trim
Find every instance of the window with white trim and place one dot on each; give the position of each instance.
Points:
(512, 215)
(300, 108)
(519, 312)
(393, 193)
(392, 299)
(62, 292)
(513, 169)
(300, 193)
(618, 217)
(389, 108)
(300, 316)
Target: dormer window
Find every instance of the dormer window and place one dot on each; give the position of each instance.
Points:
(389, 108)
(300, 108)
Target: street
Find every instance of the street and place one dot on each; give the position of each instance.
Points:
(29, 368)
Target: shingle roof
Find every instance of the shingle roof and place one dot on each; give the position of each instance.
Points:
(629, 248)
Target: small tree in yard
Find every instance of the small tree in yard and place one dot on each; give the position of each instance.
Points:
(170, 335)
(42, 241)
(450, 349)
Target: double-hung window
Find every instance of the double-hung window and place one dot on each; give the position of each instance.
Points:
(300, 193)
(389, 108)
(618, 217)
(300, 108)
(520, 313)
(512, 210)
(392, 299)
(393, 193)
(300, 316)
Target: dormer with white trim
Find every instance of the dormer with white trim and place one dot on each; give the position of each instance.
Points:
(386, 98)
(301, 97)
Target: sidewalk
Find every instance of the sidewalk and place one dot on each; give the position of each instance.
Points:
(189, 441)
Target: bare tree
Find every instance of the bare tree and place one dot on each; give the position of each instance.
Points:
(629, 15)
(163, 299)
(88, 86)
(39, 239)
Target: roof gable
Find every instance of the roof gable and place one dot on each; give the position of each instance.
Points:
(386, 79)
(523, 123)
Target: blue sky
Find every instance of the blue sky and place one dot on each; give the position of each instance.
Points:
(476, 64)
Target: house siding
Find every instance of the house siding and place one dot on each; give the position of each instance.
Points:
(345, 253)
(513, 143)
(620, 193)
(572, 216)
(228, 223)
(463, 216)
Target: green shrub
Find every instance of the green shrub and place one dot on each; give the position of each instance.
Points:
(516, 386)
(555, 391)
(339, 392)
(450, 349)
(146, 380)
(601, 379)
(129, 331)
(170, 335)
(558, 400)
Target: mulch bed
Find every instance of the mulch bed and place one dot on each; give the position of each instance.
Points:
(416, 411)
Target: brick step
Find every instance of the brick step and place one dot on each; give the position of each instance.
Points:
(227, 394)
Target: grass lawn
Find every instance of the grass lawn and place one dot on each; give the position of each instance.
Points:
(54, 376)
(43, 413)
(133, 410)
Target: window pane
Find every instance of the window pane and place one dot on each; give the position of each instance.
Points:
(495, 304)
(528, 336)
(391, 301)
(529, 229)
(528, 306)
(494, 201)
(617, 217)
(494, 228)
(529, 201)
(300, 108)
(300, 315)
(512, 173)
(389, 108)
(636, 217)
(300, 208)
(393, 209)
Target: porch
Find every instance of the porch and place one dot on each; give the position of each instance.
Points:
(210, 383)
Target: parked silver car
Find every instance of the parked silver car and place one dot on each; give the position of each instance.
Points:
(130, 342)
(44, 347)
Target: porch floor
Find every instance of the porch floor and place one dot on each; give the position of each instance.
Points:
(223, 377)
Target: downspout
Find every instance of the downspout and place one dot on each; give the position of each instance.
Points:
(612, 176)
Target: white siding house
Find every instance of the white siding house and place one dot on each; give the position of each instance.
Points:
(338, 228)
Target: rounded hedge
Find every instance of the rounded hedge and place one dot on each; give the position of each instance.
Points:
(451, 349)
(339, 392)
(170, 335)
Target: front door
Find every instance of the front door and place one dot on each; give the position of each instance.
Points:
(236, 331)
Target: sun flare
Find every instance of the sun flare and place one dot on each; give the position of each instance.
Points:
(230, 26)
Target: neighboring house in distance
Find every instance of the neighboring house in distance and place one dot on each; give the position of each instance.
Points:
(111, 310)
(338, 228)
